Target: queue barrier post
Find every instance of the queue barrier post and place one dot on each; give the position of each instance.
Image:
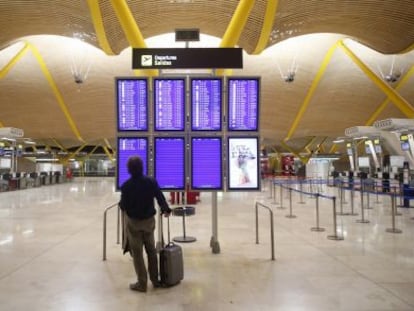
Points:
(301, 192)
(393, 209)
(362, 220)
(317, 228)
(272, 232)
(335, 236)
(104, 228)
(290, 215)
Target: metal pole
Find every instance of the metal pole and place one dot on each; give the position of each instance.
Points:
(362, 220)
(317, 228)
(118, 221)
(393, 208)
(281, 196)
(214, 243)
(272, 234)
(274, 194)
(257, 223)
(272, 231)
(353, 202)
(335, 236)
(104, 237)
(301, 192)
(290, 205)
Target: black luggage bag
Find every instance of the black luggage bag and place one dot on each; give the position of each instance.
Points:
(171, 262)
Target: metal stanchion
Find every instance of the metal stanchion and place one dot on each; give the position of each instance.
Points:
(281, 197)
(377, 191)
(272, 231)
(301, 192)
(362, 220)
(104, 229)
(341, 200)
(352, 202)
(317, 228)
(290, 205)
(274, 194)
(393, 207)
(271, 187)
(368, 205)
(396, 212)
(335, 236)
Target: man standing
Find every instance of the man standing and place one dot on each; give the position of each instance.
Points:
(137, 201)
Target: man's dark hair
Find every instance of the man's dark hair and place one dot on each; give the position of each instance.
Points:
(135, 166)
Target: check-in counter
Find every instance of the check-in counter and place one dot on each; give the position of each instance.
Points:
(58, 177)
(37, 181)
(45, 178)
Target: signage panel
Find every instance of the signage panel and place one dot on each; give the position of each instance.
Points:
(190, 58)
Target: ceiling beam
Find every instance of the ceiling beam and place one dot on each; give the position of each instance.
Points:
(381, 107)
(28, 46)
(99, 26)
(131, 31)
(404, 106)
(234, 29)
(56, 91)
(314, 85)
(268, 22)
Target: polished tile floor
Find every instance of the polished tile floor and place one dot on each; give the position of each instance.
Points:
(51, 255)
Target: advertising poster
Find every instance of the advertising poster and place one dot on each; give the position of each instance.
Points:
(243, 163)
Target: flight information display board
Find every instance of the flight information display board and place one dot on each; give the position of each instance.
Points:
(169, 104)
(169, 162)
(206, 102)
(206, 163)
(127, 147)
(405, 145)
(132, 104)
(243, 104)
(243, 163)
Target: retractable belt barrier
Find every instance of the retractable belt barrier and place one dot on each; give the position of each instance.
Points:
(366, 188)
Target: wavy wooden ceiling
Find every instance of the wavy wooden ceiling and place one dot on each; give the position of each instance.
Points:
(324, 99)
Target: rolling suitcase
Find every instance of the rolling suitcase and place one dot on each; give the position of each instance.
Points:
(171, 262)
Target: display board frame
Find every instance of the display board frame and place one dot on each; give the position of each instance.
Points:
(155, 103)
(230, 110)
(204, 166)
(193, 127)
(121, 165)
(164, 160)
(243, 163)
(139, 106)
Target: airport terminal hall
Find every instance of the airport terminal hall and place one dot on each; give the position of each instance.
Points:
(228, 155)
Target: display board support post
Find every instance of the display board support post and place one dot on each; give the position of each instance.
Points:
(214, 243)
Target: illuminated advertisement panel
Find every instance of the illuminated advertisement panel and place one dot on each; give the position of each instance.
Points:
(243, 163)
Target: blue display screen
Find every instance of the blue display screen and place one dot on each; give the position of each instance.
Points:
(169, 104)
(132, 104)
(243, 104)
(169, 162)
(206, 103)
(206, 163)
(127, 147)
